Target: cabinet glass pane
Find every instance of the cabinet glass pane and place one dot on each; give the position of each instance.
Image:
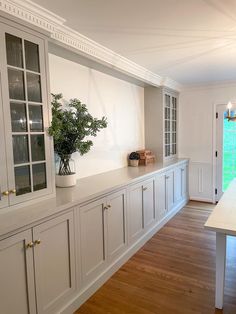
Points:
(20, 149)
(31, 56)
(34, 87)
(22, 180)
(18, 117)
(37, 147)
(14, 51)
(16, 84)
(36, 118)
(39, 177)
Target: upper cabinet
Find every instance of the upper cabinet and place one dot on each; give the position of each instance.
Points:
(161, 109)
(26, 170)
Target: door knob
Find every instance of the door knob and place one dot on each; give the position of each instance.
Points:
(5, 193)
(30, 245)
(13, 191)
(37, 241)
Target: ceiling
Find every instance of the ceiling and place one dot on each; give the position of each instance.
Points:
(190, 41)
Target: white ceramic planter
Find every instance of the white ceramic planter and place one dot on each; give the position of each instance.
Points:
(66, 181)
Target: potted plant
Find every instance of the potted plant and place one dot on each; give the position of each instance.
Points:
(134, 159)
(70, 128)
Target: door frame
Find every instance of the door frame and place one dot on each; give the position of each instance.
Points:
(215, 158)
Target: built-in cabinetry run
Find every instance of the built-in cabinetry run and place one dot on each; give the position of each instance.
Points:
(55, 264)
(161, 114)
(103, 232)
(38, 262)
(25, 165)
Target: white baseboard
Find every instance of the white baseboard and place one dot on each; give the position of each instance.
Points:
(89, 290)
(202, 199)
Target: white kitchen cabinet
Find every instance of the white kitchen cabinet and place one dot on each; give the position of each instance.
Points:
(161, 113)
(17, 293)
(92, 223)
(54, 257)
(148, 189)
(103, 233)
(161, 197)
(141, 208)
(169, 176)
(44, 261)
(180, 183)
(116, 224)
(26, 158)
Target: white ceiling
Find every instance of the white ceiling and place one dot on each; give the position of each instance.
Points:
(190, 41)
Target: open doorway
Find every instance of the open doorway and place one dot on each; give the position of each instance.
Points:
(225, 150)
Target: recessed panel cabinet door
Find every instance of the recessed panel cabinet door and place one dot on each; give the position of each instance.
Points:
(93, 237)
(116, 224)
(149, 202)
(136, 219)
(54, 262)
(16, 275)
(178, 177)
(184, 181)
(161, 197)
(169, 189)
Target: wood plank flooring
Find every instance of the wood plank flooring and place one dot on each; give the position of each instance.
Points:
(173, 273)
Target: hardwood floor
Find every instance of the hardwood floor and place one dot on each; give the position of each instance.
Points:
(174, 273)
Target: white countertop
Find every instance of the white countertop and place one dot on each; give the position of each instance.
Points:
(223, 217)
(86, 189)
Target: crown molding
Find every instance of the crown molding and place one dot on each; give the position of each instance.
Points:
(34, 14)
(209, 85)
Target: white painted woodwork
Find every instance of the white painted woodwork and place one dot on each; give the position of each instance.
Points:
(220, 269)
(3, 166)
(169, 176)
(116, 224)
(161, 197)
(9, 183)
(17, 293)
(93, 238)
(27, 12)
(180, 183)
(154, 100)
(135, 213)
(149, 203)
(54, 261)
(62, 278)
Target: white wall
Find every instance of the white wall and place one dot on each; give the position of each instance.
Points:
(196, 118)
(121, 102)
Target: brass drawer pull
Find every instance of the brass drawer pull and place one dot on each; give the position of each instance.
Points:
(30, 245)
(37, 241)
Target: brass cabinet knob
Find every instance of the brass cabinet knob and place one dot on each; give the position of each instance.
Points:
(144, 189)
(5, 193)
(108, 206)
(30, 245)
(13, 191)
(105, 207)
(37, 241)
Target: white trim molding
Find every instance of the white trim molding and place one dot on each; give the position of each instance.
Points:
(35, 14)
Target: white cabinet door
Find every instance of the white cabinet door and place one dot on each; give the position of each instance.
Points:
(26, 114)
(116, 224)
(93, 237)
(178, 177)
(3, 166)
(169, 176)
(54, 262)
(135, 214)
(149, 202)
(184, 181)
(161, 197)
(17, 294)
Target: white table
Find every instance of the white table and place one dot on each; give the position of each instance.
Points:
(223, 221)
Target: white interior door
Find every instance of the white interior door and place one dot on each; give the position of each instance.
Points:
(225, 153)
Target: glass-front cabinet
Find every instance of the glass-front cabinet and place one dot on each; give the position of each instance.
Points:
(24, 142)
(170, 125)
